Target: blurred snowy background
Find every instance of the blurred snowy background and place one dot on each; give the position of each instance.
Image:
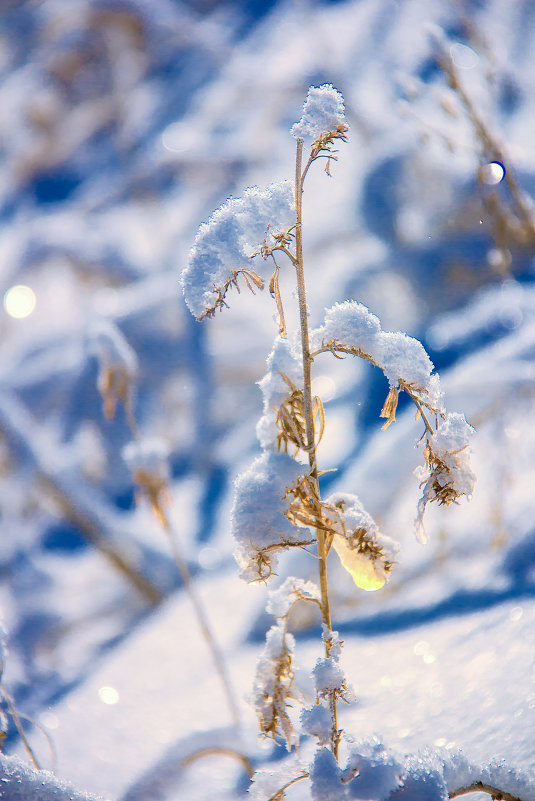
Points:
(123, 124)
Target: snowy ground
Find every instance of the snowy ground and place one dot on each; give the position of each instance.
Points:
(124, 126)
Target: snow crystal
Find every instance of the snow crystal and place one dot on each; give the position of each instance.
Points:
(350, 323)
(293, 589)
(275, 390)
(257, 519)
(328, 676)
(404, 357)
(316, 721)
(422, 781)
(457, 770)
(229, 240)
(266, 783)
(509, 779)
(399, 356)
(453, 435)
(21, 783)
(325, 777)
(323, 111)
(372, 771)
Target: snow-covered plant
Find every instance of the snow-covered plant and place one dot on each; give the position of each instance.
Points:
(278, 503)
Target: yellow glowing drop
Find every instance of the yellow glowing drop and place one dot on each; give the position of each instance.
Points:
(19, 301)
(366, 574)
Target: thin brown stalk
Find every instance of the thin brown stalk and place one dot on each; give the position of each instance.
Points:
(18, 725)
(481, 787)
(90, 529)
(309, 415)
(202, 618)
(218, 751)
(491, 147)
(156, 494)
(279, 795)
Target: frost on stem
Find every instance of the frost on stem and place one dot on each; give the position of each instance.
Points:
(273, 686)
(258, 520)
(281, 601)
(328, 674)
(148, 462)
(331, 686)
(447, 475)
(226, 246)
(118, 366)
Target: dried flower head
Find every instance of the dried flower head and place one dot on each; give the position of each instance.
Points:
(148, 462)
(118, 366)
(366, 554)
(447, 475)
(273, 685)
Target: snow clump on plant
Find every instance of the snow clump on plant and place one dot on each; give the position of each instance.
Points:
(323, 111)
(226, 245)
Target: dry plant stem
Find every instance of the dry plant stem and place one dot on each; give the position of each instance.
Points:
(309, 419)
(480, 787)
(491, 147)
(118, 557)
(18, 725)
(189, 585)
(279, 795)
(217, 751)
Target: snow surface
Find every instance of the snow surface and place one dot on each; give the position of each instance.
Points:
(124, 127)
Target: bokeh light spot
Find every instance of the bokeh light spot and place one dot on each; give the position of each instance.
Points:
(492, 173)
(463, 56)
(108, 695)
(19, 301)
(324, 387)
